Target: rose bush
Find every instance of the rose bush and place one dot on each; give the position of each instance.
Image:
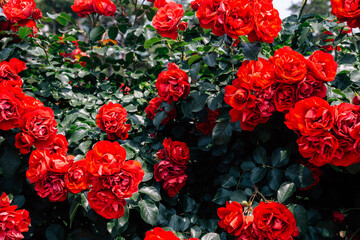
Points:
(207, 120)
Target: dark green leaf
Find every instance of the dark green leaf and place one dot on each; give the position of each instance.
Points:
(257, 174)
(96, 33)
(113, 32)
(222, 132)
(300, 175)
(148, 211)
(54, 232)
(251, 50)
(285, 191)
(152, 192)
(23, 32)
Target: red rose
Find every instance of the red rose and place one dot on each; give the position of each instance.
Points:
(356, 100)
(177, 152)
(53, 187)
(59, 163)
(75, 56)
(322, 66)
(104, 7)
(160, 3)
(173, 84)
(232, 218)
(264, 101)
(10, 107)
(22, 11)
(347, 118)
(153, 108)
(338, 217)
(124, 183)
(167, 19)
(76, 178)
(195, 4)
(310, 88)
(106, 204)
(111, 119)
(207, 127)
(290, 66)
(347, 153)
(173, 185)
(249, 118)
(183, 26)
(239, 19)
(321, 148)
(285, 97)
(83, 7)
(249, 232)
(160, 234)
(60, 145)
(164, 170)
(31, 103)
(211, 14)
(258, 74)
(274, 221)
(38, 165)
(311, 116)
(238, 95)
(267, 22)
(40, 124)
(106, 158)
(347, 11)
(9, 72)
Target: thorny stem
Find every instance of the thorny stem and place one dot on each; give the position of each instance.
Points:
(302, 8)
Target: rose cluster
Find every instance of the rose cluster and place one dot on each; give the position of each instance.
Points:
(171, 85)
(75, 55)
(112, 120)
(327, 134)
(160, 234)
(113, 179)
(266, 86)
(268, 221)
(12, 222)
(167, 19)
(256, 18)
(171, 169)
(86, 7)
(347, 11)
(22, 12)
(207, 126)
(17, 110)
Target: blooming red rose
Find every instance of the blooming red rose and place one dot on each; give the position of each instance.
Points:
(239, 19)
(267, 22)
(177, 152)
(310, 88)
(238, 95)
(31, 103)
(183, 26)
(164, 170)
(249, 118)
(167, 19)
(290, 66)
(38, 165)
(40, 124)
(264, 101)
(104, 7)
(76, 178)
(106, 158)
(322, 66)
(274, 221)
(111, 119)
(207, 127)
(60, 145)
(321, 148)
(347, 117)
(173, 185)
(338, 217)
(311, 116)
(106, 204)
(173, 84)
(285, 97)
(53, 187)
(59, 163)
(258, 74)
(160, 234)
(124, 183)
(22, 11)
(10, 107)
(12, 222)
(9, 72)
(212, 14)
(232, 218)
(161, 3)
(195, 4)
(154, 108)
(83, 7)
(347, 11)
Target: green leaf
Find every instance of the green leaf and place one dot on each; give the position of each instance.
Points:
(260, 155)
(24, 32)
(274, 178)
(152, 192)
(210, 59)
(61, 20)
(118, 226)
(238, 196)
(285, 191)
(300, 175)
(148, 211)
(9, 160)
(301, 217)
(96, 33)
(279, 157)
(113, 32)
(152, 41)
(257, 174)
(73, 209)
(54, 232)
(251, 50)
(85, 146)
(211, 236)
(158, 118)
(193, 59)
(222, 196)
(222, 132)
